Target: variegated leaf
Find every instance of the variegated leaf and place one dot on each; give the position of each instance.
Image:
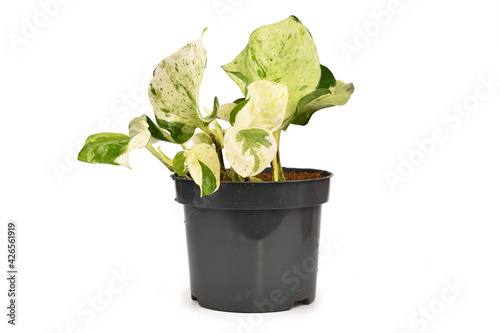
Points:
(106, 148)
(225, 111)
(139, 133)
(157, 134)
(322, 98)
(249, 150)
(114, 148)
(174, 91)
(282, 52)
(266, 108)
(204, 167)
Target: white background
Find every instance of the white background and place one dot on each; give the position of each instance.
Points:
(394, 248)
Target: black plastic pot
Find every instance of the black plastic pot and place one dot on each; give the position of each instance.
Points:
(253, 246)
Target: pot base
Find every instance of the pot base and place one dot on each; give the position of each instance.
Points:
(253, 261)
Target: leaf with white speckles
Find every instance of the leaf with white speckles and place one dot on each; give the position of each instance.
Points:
(283, 52)
(174, 91)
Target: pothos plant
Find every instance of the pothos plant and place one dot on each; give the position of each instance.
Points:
(283, 84)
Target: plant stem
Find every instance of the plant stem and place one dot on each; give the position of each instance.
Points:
(159, 155)
(278, 174)
(234, 176)
(218, 149)
(218, 129)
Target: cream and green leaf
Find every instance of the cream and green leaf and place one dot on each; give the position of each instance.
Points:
(174, 91)
(201, 137)
(225, 111)
(283, 52)
(249, 151)
(143, 125)
(322, 98)
(250, 145)
(211, 115)
(265, 109)
(105, 148)
(114, 148)
(203, 165)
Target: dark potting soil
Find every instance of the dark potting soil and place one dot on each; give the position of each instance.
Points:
(292, 176)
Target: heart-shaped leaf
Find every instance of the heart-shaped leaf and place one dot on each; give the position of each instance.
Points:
(179, 163)
(106, 148)
(174, 91)
(249, 151)
(266, 107)
(283, 52)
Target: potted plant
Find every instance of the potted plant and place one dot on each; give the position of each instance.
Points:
(252, 231)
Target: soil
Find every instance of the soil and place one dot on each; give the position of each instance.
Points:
(292, 176)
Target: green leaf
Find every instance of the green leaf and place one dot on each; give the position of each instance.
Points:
(283, 52)
(179, 162)
(157, 133)
(216, 104)
(327, 79)
(211, 114)
(174, 91)
(236, 110)
(241, 80)
(204, 167)
(143, 123)
(255, 179)
(106, 148)
(114, 148)
(249, 151)
(209, 182)
(322, 98)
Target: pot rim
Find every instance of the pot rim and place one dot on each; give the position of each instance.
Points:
(326, 174)
(257, 195)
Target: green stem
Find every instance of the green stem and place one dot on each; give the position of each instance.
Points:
(278, 174)
(159, 155)
(234, 176)
(218, 129)
(218, 148)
